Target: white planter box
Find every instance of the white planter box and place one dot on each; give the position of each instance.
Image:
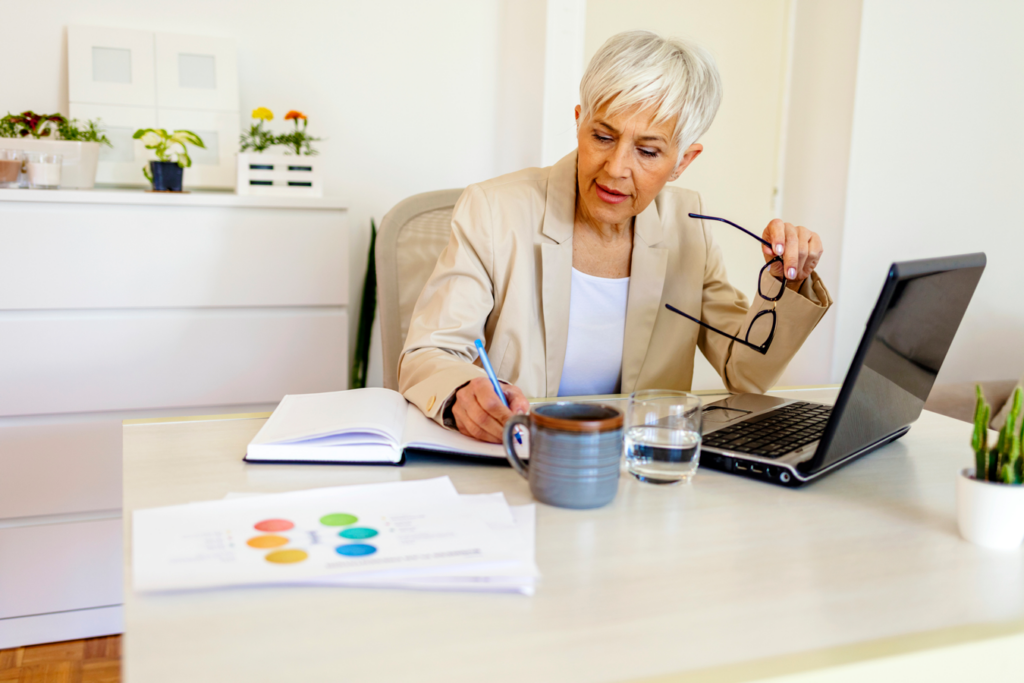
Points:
(990, 514)
(279, 175)
(78, 168)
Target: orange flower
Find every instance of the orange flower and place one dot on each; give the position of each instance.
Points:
(294, 115)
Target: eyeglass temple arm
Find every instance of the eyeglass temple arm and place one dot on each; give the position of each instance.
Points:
(738, 227)
(715, 329)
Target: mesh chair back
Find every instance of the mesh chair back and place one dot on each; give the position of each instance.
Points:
(411, 237)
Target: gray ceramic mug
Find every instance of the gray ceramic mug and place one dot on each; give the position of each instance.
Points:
(574, 453)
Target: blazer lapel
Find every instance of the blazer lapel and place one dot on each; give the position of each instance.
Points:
(556, 266)
(646, 281)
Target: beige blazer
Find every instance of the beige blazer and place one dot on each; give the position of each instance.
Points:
(504, 277)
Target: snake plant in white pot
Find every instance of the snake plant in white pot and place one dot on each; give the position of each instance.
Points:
(990, 497)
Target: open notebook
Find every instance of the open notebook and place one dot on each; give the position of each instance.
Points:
(356, 426)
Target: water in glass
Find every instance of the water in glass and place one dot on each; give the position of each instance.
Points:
(662, 455)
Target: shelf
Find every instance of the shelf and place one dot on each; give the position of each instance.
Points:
(139, 197)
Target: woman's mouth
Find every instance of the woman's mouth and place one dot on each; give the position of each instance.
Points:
(609, 195)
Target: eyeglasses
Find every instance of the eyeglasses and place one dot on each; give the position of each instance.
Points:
(763, 347)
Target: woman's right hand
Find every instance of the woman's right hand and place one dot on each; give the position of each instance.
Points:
(479, 413)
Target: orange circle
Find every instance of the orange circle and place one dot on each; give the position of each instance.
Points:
(266, 541)
(286, 556)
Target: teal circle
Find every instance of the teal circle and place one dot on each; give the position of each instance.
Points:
(355, 549)
(358, 533)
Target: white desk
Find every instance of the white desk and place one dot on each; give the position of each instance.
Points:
(661, 582)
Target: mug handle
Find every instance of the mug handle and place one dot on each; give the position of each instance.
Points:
(510, 446)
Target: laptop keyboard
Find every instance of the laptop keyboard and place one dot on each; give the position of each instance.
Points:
(775, 433)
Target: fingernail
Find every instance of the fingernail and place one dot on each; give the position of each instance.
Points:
(791, 273)
(779, 249)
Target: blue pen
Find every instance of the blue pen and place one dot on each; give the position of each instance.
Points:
(494, 378)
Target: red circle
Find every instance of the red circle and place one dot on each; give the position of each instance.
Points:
(274, 525)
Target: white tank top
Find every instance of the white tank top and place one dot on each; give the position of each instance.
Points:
(597, 324)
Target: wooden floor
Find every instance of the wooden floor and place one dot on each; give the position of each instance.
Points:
(96, 660)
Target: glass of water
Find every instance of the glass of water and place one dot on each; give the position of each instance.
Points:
(663, 430)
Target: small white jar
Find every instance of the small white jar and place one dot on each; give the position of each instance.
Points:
(43, 170)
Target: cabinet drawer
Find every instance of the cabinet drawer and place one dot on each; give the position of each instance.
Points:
(60, 468)
(82, 256)
(63, 363)
(60, 567)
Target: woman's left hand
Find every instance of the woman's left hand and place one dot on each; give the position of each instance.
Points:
(799, 248)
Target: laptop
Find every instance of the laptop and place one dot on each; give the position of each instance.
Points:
(793, 443)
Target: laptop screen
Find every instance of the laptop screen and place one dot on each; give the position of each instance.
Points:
(905, 342)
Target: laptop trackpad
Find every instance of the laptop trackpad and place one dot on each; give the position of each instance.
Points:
(738, 406)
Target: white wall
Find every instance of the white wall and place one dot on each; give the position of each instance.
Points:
(816, 153)
(521, 71)
(563, 70)
(738, 173)
(406, 93)
(937, 168)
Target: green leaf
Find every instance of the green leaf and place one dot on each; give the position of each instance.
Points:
(186, 136)
(367, 310)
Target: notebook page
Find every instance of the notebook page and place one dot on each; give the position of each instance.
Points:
(422, 432)
(375, 414)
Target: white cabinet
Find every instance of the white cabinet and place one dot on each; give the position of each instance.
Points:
(124, 304)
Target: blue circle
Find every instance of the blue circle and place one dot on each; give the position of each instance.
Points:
(358, 533)
(355, 549)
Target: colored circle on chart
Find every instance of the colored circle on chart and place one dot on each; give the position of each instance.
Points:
(355, 549)
(338, 519)
(274, 525)
(358, 532)
(286, 556)
(266, 541)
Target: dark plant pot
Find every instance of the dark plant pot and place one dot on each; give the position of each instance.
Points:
(166, 176)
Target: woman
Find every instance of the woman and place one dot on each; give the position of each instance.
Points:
(566, 271)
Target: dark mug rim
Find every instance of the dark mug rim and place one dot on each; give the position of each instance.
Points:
(568, 425)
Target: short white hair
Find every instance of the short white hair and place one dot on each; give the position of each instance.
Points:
(678, 79)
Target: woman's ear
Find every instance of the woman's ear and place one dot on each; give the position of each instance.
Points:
(692, 152)
(578, 110)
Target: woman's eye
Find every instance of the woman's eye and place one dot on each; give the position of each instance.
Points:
(602, 138)
(649, 153)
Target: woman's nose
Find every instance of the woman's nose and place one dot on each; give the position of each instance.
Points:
(619, 163)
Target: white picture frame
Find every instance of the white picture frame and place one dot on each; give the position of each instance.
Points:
(122, 164)
(217, 166)
(196, 72)
(139, 79)
(111, 66)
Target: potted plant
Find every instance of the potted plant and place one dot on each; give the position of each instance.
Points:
(298, 139)
(167, 170)
(990, 497)
(278, 174)
(78, 143)
(258, 138)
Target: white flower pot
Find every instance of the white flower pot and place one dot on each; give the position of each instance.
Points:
(78, 167)
(990, 514)
(282, 175)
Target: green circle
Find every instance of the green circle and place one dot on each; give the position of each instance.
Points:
(338, 519)
(358, 533)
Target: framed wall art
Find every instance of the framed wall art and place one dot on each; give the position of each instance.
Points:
(122, 163)
(195, 72)
(111, 66)
(139, 79)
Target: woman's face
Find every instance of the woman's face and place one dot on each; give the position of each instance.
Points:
(623, 162)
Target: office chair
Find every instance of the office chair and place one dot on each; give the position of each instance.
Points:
(411, 237)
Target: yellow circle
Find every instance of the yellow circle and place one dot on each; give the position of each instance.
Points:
(286, 556)
(266, 541)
